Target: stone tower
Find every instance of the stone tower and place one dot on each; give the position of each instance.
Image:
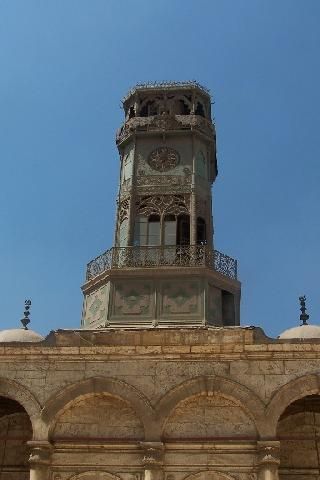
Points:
(163, 269)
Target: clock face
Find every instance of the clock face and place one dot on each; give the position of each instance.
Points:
(163, 159)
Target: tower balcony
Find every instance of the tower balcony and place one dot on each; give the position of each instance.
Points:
(162, 256)
(165, 122)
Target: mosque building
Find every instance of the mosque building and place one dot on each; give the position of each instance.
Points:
(161, 382)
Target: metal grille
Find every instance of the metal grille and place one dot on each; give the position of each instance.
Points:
(163, 256)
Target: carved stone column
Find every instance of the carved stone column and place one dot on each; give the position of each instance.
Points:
(152, 460)
(39, 460)
(268, 460)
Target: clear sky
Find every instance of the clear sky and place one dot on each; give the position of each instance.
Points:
(66, 64)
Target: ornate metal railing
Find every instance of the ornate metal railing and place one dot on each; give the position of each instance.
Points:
(166, 256)
(164, 123)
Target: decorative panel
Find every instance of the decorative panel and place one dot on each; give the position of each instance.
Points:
(181, 298)
(95, 307)
(133, 299)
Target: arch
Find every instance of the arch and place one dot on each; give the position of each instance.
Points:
(298, 388)
(240, 394)
(209, 475)
(100, 385)
(94, 475)
(19, 393)
(15, 433)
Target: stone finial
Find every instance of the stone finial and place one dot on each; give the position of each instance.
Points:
(25, 320)
(304, 317)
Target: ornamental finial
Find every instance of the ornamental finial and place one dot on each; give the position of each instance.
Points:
(25, 320)
(304, 317)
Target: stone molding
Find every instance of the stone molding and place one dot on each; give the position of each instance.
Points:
(40, 453)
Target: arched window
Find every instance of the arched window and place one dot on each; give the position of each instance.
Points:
(201, 231)
(165, 230)
(147, 230)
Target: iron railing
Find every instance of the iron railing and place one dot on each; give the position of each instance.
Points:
(164, 123)
(162, 256)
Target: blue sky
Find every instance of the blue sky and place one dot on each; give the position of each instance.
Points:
(66, 64)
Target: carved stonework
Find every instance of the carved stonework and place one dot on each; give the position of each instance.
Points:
(40, 454)
(126, 187)
(163, 159)
(152, 454)
(180, 299)
(124, 210)
(165, 123)
(158, 190)
(268, 453)
(95, 307)
(163, 204)
(170, 180)
(132, 299)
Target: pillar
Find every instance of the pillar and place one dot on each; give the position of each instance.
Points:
(39, 460)
(268, 460)
(152, 460)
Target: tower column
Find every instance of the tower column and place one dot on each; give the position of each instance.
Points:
(268, 460)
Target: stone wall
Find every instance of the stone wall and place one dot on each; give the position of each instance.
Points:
(127, 405)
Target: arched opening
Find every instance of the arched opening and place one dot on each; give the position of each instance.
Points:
(298, 432)
(15, 432)
(150, 108)
(183, 108)
(201, 231)
(131, 112)
(199, 110)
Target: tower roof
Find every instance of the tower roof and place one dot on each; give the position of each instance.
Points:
(167, 85)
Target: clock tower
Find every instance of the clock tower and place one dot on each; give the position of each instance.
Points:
(163, 270)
